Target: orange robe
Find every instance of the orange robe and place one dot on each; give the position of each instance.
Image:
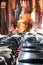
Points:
(21, 25)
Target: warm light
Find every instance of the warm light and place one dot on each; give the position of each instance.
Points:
(33, 16)
(33, 11)
(41, 4)
(3, 4)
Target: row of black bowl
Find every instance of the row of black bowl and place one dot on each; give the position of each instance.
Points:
(8, 47)
(31, 51)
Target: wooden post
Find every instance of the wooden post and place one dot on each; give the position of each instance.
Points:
(3, 17)
(37, 15)
(9, 13)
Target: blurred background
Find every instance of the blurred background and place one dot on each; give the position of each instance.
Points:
(10, 11)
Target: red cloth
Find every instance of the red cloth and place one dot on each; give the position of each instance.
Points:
(12, 30)
(34, 30)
